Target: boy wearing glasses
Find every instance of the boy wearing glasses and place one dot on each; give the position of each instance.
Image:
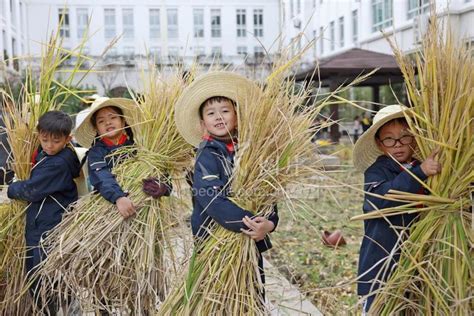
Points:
(385, 154)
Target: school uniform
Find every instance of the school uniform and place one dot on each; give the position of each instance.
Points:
(381, 234)
(50, 190)
(211, 188)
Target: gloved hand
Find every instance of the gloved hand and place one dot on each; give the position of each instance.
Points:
(153, 187)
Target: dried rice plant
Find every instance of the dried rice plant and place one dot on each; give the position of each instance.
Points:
(40, 93)
(110, 262)
(435, 273)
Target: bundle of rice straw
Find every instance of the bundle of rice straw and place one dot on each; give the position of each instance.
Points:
(109, 262)
(275, 151)
(435, 272)
(40, 93)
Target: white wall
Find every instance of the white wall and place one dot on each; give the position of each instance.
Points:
(43, 17)
(12, 32)
(461, 14)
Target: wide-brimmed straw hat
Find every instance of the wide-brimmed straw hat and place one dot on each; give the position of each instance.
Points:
(366, 150)
(213, 84)
(86, 132)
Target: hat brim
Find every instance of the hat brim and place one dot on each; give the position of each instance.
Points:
(219, 83)
(366, 150)
(86, 132)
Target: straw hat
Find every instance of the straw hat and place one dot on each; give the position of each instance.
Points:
(366, 150)
(85, 132)
(217, 83)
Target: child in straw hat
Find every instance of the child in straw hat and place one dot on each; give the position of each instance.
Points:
(206, 118)
(385, 154)
(106, 129)
(50, 190)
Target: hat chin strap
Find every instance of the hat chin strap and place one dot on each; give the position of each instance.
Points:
(227, 138)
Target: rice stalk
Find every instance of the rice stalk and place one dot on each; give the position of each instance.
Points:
(435, 273)
(110, 262)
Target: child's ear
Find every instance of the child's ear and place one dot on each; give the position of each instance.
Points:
(203, 126)
(68, 138)
(379, 144)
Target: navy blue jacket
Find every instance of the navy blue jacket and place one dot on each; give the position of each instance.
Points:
(212, 170)
(50, 189)
(380, 236)
(100, 163)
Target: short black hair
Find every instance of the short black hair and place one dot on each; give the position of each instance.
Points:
(56, 123)
(399, 120)
(94, 116)
(212, 100)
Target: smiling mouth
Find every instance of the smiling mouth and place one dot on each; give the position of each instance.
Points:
(220, 125)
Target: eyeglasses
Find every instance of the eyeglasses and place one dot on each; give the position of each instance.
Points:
(391, 142)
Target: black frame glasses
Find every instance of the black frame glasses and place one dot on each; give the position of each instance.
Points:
(391, 142)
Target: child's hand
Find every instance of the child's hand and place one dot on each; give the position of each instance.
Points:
(153, 187)
(259, 227)
(125, 207)
(430, 166)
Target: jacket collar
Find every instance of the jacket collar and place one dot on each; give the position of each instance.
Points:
(394, 166)
(229, 145)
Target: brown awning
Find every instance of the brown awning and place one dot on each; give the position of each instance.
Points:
(346, 66)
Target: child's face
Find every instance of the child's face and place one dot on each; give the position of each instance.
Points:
(109, 123)
(219, 118)
(53, 144)
(395, 140)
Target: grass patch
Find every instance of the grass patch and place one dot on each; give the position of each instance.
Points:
(326, 275)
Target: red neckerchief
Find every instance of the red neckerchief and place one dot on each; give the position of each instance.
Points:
(110, 143)
(34, 156)
(229, 145)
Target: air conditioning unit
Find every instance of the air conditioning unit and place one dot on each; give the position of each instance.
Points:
(420, 26)
(297, 23)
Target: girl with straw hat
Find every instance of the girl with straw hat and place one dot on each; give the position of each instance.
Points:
(385, 153)
(107, 127)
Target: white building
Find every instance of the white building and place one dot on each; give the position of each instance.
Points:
(13, 35)
(339, 25)
(235, 33)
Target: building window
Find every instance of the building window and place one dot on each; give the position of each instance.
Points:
(417, 7)
(129, 52)
(65, 29)
(258, 52)
(127, 20)
(315, 47)
(155, 28)
(292, 9)
(241, 23)
(258, 22)
(198, 23)
(172, 15)
(341, 31)
(215, 22)
(321, 40)
(298, 6)
(82, 22)
(155, 53)
(216, 51)
(199, 51)
(109, 24)
(332, 35)
(355, 26)
(242, 50)
(173, 52)
(382, 15)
